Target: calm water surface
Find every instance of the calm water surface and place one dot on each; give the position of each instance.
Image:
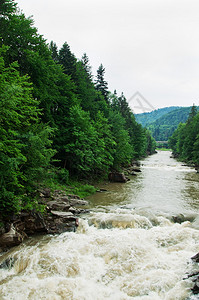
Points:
(128, 247)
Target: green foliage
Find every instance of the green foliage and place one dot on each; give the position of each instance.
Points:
(163, 122)
(149, 117)
(123, 150)
(24, 147)
(185, 140)
(51, 108)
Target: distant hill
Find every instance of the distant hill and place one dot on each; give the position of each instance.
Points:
(164, 121)
(147, 118)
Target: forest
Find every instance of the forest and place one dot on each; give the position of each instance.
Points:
(163, 122)
(58, 120)
(185, 140)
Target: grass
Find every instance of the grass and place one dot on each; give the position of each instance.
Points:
(163, 149)
(60, 180)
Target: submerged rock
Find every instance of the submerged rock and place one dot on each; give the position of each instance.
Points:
(8, 263)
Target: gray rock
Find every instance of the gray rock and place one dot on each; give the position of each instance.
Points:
(61, 214)
(58, 206)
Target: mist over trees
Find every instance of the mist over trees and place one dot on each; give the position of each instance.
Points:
(56, 114)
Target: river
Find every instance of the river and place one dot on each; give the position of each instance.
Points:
(128, 247)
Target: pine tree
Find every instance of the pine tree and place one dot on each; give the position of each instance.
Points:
(68, 61)
(100, 83)
(54, 51)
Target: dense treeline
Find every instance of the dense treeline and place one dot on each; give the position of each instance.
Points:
(163, 122)
(148, 118)
(164, 127)
(54, 114)
(185, 140)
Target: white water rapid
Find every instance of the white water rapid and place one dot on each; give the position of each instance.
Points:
(129, 246)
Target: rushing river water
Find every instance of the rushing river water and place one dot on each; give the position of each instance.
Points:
(128, 247)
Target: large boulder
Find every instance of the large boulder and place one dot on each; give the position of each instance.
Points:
(11, 238)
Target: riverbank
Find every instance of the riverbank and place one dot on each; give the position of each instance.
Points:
(58, 208)
(60, 215)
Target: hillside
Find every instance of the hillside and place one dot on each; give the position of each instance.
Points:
(163, 122)
(149, 117)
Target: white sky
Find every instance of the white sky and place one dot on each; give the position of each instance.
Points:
(150, 46)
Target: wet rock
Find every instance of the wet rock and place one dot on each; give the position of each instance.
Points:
(61, 222)
(60, 216)
(10, 238)
(2, 230)
(133, 174)
(135, 163)
(101, 190)
(178, 219)
(136, 169)
(8, 263)
(34, 223)
(195, 289)
(195, 276)
(195, 258)
(117, 177)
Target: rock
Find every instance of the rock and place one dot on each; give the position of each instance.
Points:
(10, 238)
(61, 214)
(71, 196)
(178, 219)
(135, 163)
(78, 202)
(195, 257)
(101, 190)
(46, 193)
(133, 174)
(136, 169)
(117, 177)
(56, 205)
(2, 230)
(64, 198)
(32, 222)
(195, 289)
(7, 263)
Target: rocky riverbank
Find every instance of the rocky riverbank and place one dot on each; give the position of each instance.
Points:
(61, 214)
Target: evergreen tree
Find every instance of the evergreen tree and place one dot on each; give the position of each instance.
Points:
(87, 67)
(54, 51)
(192, 113)
(68, 61)
(25, 148)
(100, 83)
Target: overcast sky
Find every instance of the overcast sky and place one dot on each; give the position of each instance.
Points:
(149, 46)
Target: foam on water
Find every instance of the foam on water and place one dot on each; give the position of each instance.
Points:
(132, 258)
(128, 247)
